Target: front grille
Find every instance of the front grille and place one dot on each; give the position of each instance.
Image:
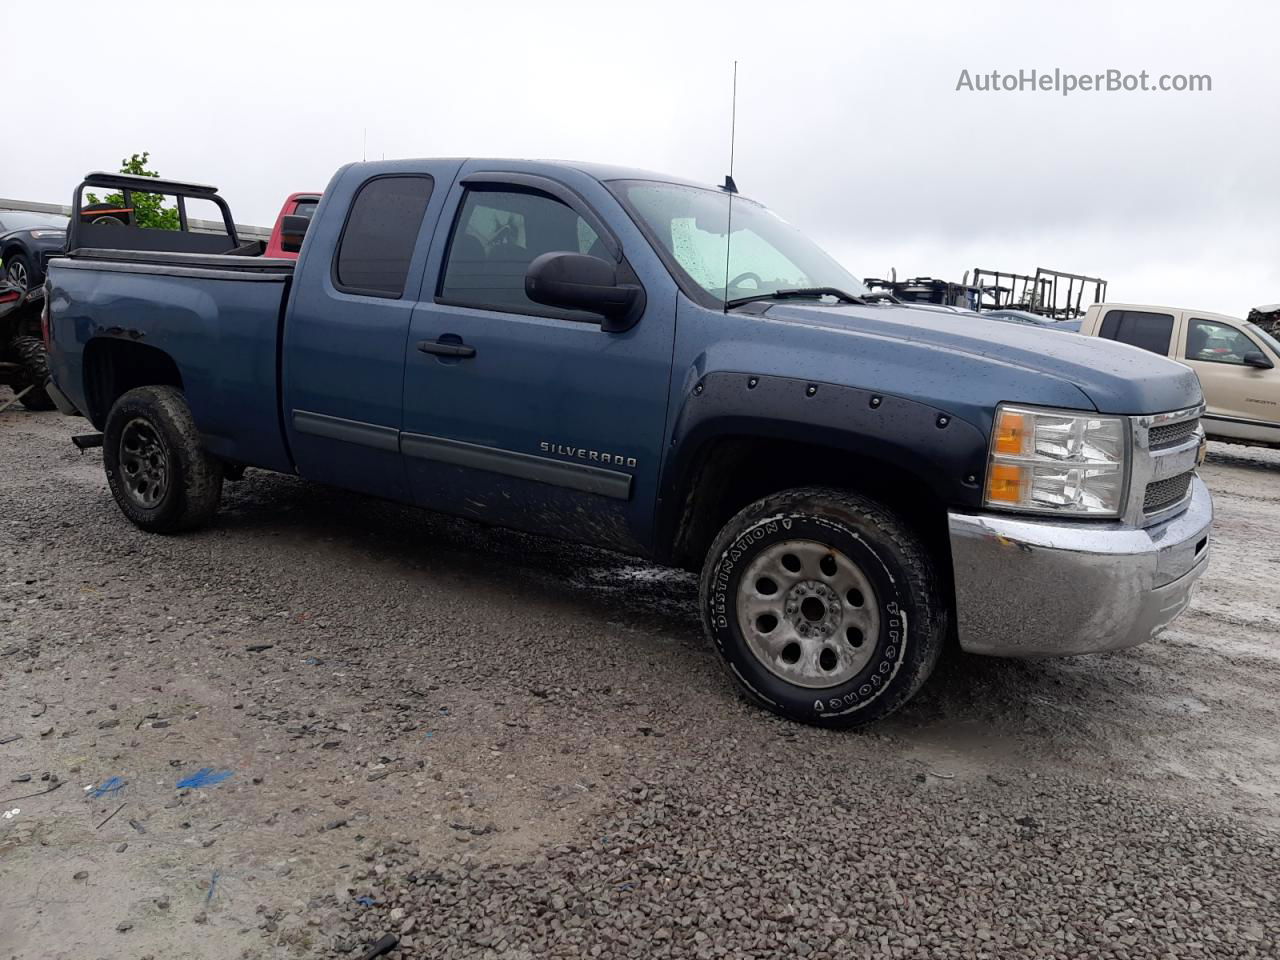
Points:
(1166, 493)
(1171, 434)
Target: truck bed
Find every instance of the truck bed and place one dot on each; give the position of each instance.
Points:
(217, 316)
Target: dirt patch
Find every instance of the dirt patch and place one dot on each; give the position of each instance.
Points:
(385, 687)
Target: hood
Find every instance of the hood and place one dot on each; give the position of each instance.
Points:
(38, 238)
(1115, 377)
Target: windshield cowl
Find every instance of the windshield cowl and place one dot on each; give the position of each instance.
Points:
(820, 295)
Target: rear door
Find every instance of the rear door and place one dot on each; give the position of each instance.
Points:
(1234, 391)
(359, 279)
(540, 420)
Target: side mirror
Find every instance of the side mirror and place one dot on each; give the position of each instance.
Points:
(292, 229)
(575, 281)
(1256, 358)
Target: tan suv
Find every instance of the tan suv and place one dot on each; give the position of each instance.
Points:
(1236, 362)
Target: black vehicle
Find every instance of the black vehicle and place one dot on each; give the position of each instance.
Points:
(928, 290)
(23, 363)
(27, 241)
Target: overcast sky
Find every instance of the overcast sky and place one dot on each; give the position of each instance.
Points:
(849, 121)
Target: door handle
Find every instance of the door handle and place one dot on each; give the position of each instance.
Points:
(447, 348)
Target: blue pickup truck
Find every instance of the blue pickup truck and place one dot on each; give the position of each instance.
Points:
(665, 369)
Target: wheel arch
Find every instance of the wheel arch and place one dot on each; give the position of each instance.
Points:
(14, 246)
(742, 437)
(113, 366)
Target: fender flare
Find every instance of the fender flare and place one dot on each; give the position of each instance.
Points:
(943, 453)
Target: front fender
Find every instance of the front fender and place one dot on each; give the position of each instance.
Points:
(945, 454)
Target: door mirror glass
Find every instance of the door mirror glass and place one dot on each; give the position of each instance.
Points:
(292, 229)
(577, 281)
(1256, 358)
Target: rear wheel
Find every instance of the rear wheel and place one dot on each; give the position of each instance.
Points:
(159, 472)
(824, 605)
(30, 353)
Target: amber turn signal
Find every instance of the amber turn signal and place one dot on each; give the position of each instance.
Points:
(1004, 483)
(1011, 432)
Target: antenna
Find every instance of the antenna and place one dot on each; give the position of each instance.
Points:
(729, 186)
(364, 145)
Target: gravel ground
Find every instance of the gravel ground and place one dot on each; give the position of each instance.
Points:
(495, 746)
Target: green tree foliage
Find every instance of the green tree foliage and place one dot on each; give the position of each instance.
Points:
(148, 208)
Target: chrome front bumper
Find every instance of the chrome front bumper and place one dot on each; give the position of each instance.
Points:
(1036, 588)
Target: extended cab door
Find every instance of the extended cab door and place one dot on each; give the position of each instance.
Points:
(358, 280)
(1150, 330)
(524, 415)
(1242, 394)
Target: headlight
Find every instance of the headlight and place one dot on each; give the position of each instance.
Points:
(38, 234)
(1055, 461)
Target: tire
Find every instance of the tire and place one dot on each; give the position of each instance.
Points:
(158, 470)
(30, 352)
(862, 587)
(18, 270)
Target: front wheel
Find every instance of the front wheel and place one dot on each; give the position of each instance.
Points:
(158, 470)
(825, 606)
(18, 271)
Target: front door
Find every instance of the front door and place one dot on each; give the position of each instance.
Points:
(1237, 393)
(525, 415)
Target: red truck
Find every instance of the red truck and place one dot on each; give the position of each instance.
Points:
(299, 205)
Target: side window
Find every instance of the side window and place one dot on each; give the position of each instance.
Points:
(496, 238)
(307, 208)
(1217, 343)
(378, 240)
(1150, 331)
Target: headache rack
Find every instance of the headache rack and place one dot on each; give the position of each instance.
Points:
(112, 227)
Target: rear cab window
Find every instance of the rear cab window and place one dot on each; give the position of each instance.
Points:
(306, 207)
(1139, 328)
(380, 234)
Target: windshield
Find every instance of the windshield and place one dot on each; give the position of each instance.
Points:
(1265, 337)
(22, 220)
(766, 254)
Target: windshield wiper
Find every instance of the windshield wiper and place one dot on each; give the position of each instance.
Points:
(797, 293)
